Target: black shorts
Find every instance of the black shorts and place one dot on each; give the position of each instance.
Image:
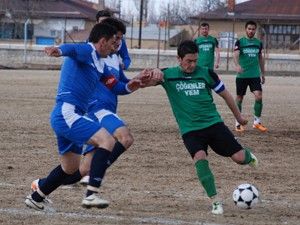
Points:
(217, 136)
(243, 83)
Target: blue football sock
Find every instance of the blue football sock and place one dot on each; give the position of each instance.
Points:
(98, 168)
(72, 179)
(118, 150)
(50, 183)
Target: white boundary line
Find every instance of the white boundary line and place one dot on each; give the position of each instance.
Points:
(111, 218)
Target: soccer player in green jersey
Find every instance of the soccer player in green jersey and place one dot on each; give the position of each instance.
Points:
(208, 48)
(249, 64)
(189, 89)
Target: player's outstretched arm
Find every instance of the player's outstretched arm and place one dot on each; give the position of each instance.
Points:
(53, 51)
(154, 77)
(232, 106)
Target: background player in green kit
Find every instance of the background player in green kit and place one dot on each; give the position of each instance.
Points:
(188, 88)
(208, 48)
(249, 64)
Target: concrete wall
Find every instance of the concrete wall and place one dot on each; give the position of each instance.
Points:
(13, 56)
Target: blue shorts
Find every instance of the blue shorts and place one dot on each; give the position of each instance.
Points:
(71, 127)
(107, 119)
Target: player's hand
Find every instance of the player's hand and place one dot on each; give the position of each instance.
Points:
(239, 69)
(134, 84)
(241, 120)
(53, 51)
(156, 75)
(262, 79)
(144, 76)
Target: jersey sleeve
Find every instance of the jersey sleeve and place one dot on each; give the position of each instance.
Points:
(123, 77)
(260, 47)
(237, 45)
(215, 83)
(113, 84)
(123, 52)
(79, 52)
(216, 43)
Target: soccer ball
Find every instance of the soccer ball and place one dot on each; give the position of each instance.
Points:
(245, 196)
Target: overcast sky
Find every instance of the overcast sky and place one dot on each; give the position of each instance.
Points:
(129, 8)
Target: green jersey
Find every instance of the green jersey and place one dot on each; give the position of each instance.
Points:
(250, 50)
(191, 98)
(206, 46)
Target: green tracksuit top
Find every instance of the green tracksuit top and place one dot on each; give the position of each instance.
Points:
(206, 46)
(250, 49)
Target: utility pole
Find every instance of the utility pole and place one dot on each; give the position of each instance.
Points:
(141, 21)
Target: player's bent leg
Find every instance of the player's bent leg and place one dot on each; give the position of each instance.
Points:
(239, 102)
(56, 177)
(207, 180)
(102, 139)
(85, 167)
(245, 157)
(103, 143)
(257, 108)
(124, 136)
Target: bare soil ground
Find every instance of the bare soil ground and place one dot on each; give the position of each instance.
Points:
(154, 182)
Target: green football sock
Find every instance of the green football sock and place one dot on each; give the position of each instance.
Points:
(206, 177)
(258, 105)
(248, 157)
(239, 105)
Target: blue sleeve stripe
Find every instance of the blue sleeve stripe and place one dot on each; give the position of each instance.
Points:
(219, 87)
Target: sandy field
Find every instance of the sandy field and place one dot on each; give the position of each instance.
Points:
(154, 182)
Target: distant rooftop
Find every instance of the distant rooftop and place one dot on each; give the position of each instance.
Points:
(258, 9)
(70, 9)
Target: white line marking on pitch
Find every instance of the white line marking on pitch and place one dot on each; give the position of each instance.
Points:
(81, 215)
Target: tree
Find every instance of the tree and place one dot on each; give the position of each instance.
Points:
(210, 5)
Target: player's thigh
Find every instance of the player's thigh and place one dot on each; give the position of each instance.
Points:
(102, 139)
(222, 141)
(241, 86)
(255, 85)
(195, 141)
(107, 119)
(69, 123)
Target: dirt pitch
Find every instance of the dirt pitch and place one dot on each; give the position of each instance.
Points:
(154, 182)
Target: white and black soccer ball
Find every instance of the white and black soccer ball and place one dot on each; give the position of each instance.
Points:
(245, 196)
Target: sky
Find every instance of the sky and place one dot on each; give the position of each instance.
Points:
(128, 6)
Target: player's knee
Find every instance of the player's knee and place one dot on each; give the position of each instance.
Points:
(200, 155)
(238, 157)
(126, 141)
(103, 140)
(124, 137)
(258, 97)
(84, 170)
(69, 169)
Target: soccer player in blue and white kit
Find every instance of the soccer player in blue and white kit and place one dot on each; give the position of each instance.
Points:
(103, 109)
(81, 71)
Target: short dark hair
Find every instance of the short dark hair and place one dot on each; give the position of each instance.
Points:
(103, 13)
(101, 30)
(204, 25)
(116, 23)
(250, 22)
(187, 47)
